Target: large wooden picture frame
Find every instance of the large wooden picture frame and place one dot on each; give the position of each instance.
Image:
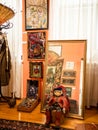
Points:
(36, 14)
(70, 67)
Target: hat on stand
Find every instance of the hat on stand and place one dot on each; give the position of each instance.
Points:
(6, 14)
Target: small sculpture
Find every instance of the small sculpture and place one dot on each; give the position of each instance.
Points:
(59, 103)
(12, 101)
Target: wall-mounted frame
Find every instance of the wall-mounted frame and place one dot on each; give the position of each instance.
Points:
(73, 76)
(69, 73)
(35, 69)
(36, 45)
(68, 81)
(36, 14)
(32, 88)
(68, 91)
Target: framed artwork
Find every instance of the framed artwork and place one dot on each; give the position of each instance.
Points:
(32, 88)
(50, 74)
(68, 91)
(29, 103)
(36, 45)
(35, 69)
(68, 81)
(58, 72)
(66, 65)
(36, 14)
(69, 73)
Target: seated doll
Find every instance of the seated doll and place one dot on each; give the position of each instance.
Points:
(59, 103)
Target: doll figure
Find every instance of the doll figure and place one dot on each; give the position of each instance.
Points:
(58, 102)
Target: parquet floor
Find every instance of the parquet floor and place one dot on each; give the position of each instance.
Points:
(91, 116)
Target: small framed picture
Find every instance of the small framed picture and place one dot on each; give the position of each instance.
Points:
(32, 88)
(68, 81)
(69, 73)
(36, 45)
(68, 91)
(36, 69)
(36, 14)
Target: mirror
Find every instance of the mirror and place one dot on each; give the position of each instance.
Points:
(66, 64)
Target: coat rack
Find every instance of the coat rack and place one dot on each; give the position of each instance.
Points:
(6, 14)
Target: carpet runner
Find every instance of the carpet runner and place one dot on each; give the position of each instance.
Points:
(22, 125)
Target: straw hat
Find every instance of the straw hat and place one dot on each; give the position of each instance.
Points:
(6, 13)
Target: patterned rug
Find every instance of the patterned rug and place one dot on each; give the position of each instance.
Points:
(22, 125)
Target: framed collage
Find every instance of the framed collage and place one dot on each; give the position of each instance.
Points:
(36, 14)
(36, 45)
(66, 66)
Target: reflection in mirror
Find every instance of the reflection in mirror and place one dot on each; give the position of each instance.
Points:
(65, 65)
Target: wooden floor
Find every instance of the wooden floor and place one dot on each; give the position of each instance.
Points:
(36, 116)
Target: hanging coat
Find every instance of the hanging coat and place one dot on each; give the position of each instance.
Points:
(5, 63)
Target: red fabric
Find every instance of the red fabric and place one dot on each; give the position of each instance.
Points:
(62, 101)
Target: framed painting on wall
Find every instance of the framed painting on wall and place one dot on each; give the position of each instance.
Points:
(36, 45)
(36, 14)
(35, 69)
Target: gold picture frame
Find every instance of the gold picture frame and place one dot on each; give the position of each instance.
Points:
(35, 69)
(73, 54)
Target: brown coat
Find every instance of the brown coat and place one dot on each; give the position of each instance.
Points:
(5, 65)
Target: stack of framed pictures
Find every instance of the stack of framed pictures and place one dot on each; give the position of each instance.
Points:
(36, 55)
(69, 79)
(36, 25)
(70, 73)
